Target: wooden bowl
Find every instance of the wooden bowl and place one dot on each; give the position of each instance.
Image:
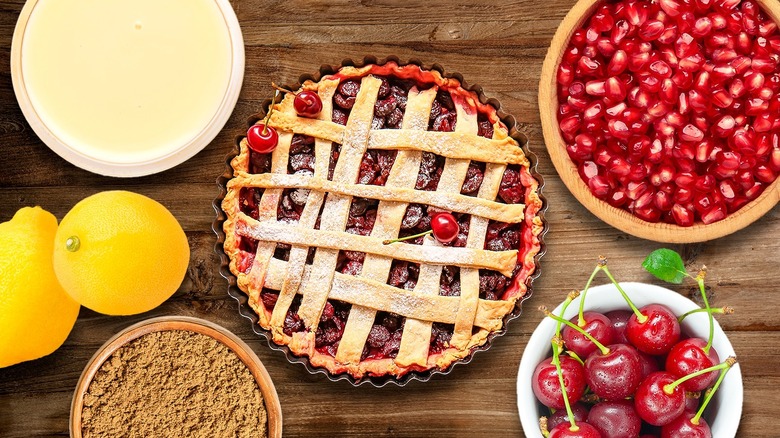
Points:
(619, 218)
(196, 325)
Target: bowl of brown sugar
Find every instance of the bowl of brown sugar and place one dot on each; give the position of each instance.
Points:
(175, 376)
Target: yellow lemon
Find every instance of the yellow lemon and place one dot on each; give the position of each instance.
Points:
(120, 253)
(36, 315)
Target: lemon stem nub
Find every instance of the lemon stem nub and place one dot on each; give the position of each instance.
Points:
(73, 244)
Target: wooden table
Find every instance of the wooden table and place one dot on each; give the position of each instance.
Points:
(499, 45)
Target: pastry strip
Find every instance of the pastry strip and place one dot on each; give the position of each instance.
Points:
(501, 261)
(510, 213)
(389, 217)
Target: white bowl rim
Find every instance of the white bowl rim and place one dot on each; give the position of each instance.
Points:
(727, 422)
(152, 165)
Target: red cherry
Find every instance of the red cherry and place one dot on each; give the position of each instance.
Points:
(307, 103)
(653, 404)
(658, 334)
(597, 325)
(262, 142)
(547, 387)
(445, 227)
(615, 419)
(681, 427)
(579, 410)
(618, 320)
(649, 364)
(615, 375)
(687, 357)
(585, 430)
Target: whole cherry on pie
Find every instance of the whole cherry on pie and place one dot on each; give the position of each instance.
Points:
(395, 152)
(307, 103)
(261, 138)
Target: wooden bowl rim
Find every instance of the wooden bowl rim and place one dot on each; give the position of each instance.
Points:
(186, 323)
(619, 218)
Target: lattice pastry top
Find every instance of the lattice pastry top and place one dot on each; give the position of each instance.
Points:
(392, 146)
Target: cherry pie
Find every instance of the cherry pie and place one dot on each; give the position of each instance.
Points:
(392, 146)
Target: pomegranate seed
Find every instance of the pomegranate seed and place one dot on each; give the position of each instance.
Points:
(588, 66)
(661, 69)
(683, 195)
(691, 63)
(743, 43)
(714, 214)
(683, 216)
(618, 63)
(753, 192)
(672, 7)
(618, 199)
(599, 186)
(605, 47)
(728, 189)
(763, 123)
(721, 98)
(650, 83)
(565, 74)
(638, 60)
(595, 88)
(618, 166)
(651, 30)
(765, 174)
(763, 65)
(704, 150)
(616, 110)
(636, 12)
(718, 21)
(756, 106)
(725, 71)
(774, 161)
(655, 154)
(736, 203)
(702, 82)
(702, 27)
(593, 111)
(741, 64)
(724, 55)
(645, 200)
(577, 103)
(636, 189)
(765, 93)
(728, 159)
(663, 201)
(704, 183)
(571, 124)
(745, 179)
(767, 28)
(741, 140)
(620, 31)
(697, 101)
(669, 35)
(737, 88)
(614, 89)
(685, 46)
(725, 126)
(754, 81)
(648, 214)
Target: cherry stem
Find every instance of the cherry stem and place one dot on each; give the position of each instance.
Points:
(639, 316)
(401, 239)
(543, 426)
(574, 356)
(282, 89)
(729, 362)
(557, 362)
(569, 298)
(700, 281)
(604, 350)
(725, 310)
(270, 111)
(580, 318)
(669, 389)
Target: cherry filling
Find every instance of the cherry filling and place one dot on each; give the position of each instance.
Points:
(670, 108)
(384, 338)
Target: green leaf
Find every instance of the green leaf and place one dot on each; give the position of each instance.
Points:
(666, 265)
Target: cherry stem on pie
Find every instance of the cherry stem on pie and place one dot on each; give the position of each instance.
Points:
(639, 316)
(401, 239)
(270, 111)
(669, 389)
(282, 89)
(604, 350)
(702, 289)
(710, 392)
(73, 244)
(725, 310)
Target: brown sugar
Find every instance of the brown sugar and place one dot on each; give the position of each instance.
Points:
(174, 383)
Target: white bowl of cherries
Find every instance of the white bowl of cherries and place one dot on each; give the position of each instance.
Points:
(648, 377)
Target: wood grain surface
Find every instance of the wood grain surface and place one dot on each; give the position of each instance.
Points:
(499, 45)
